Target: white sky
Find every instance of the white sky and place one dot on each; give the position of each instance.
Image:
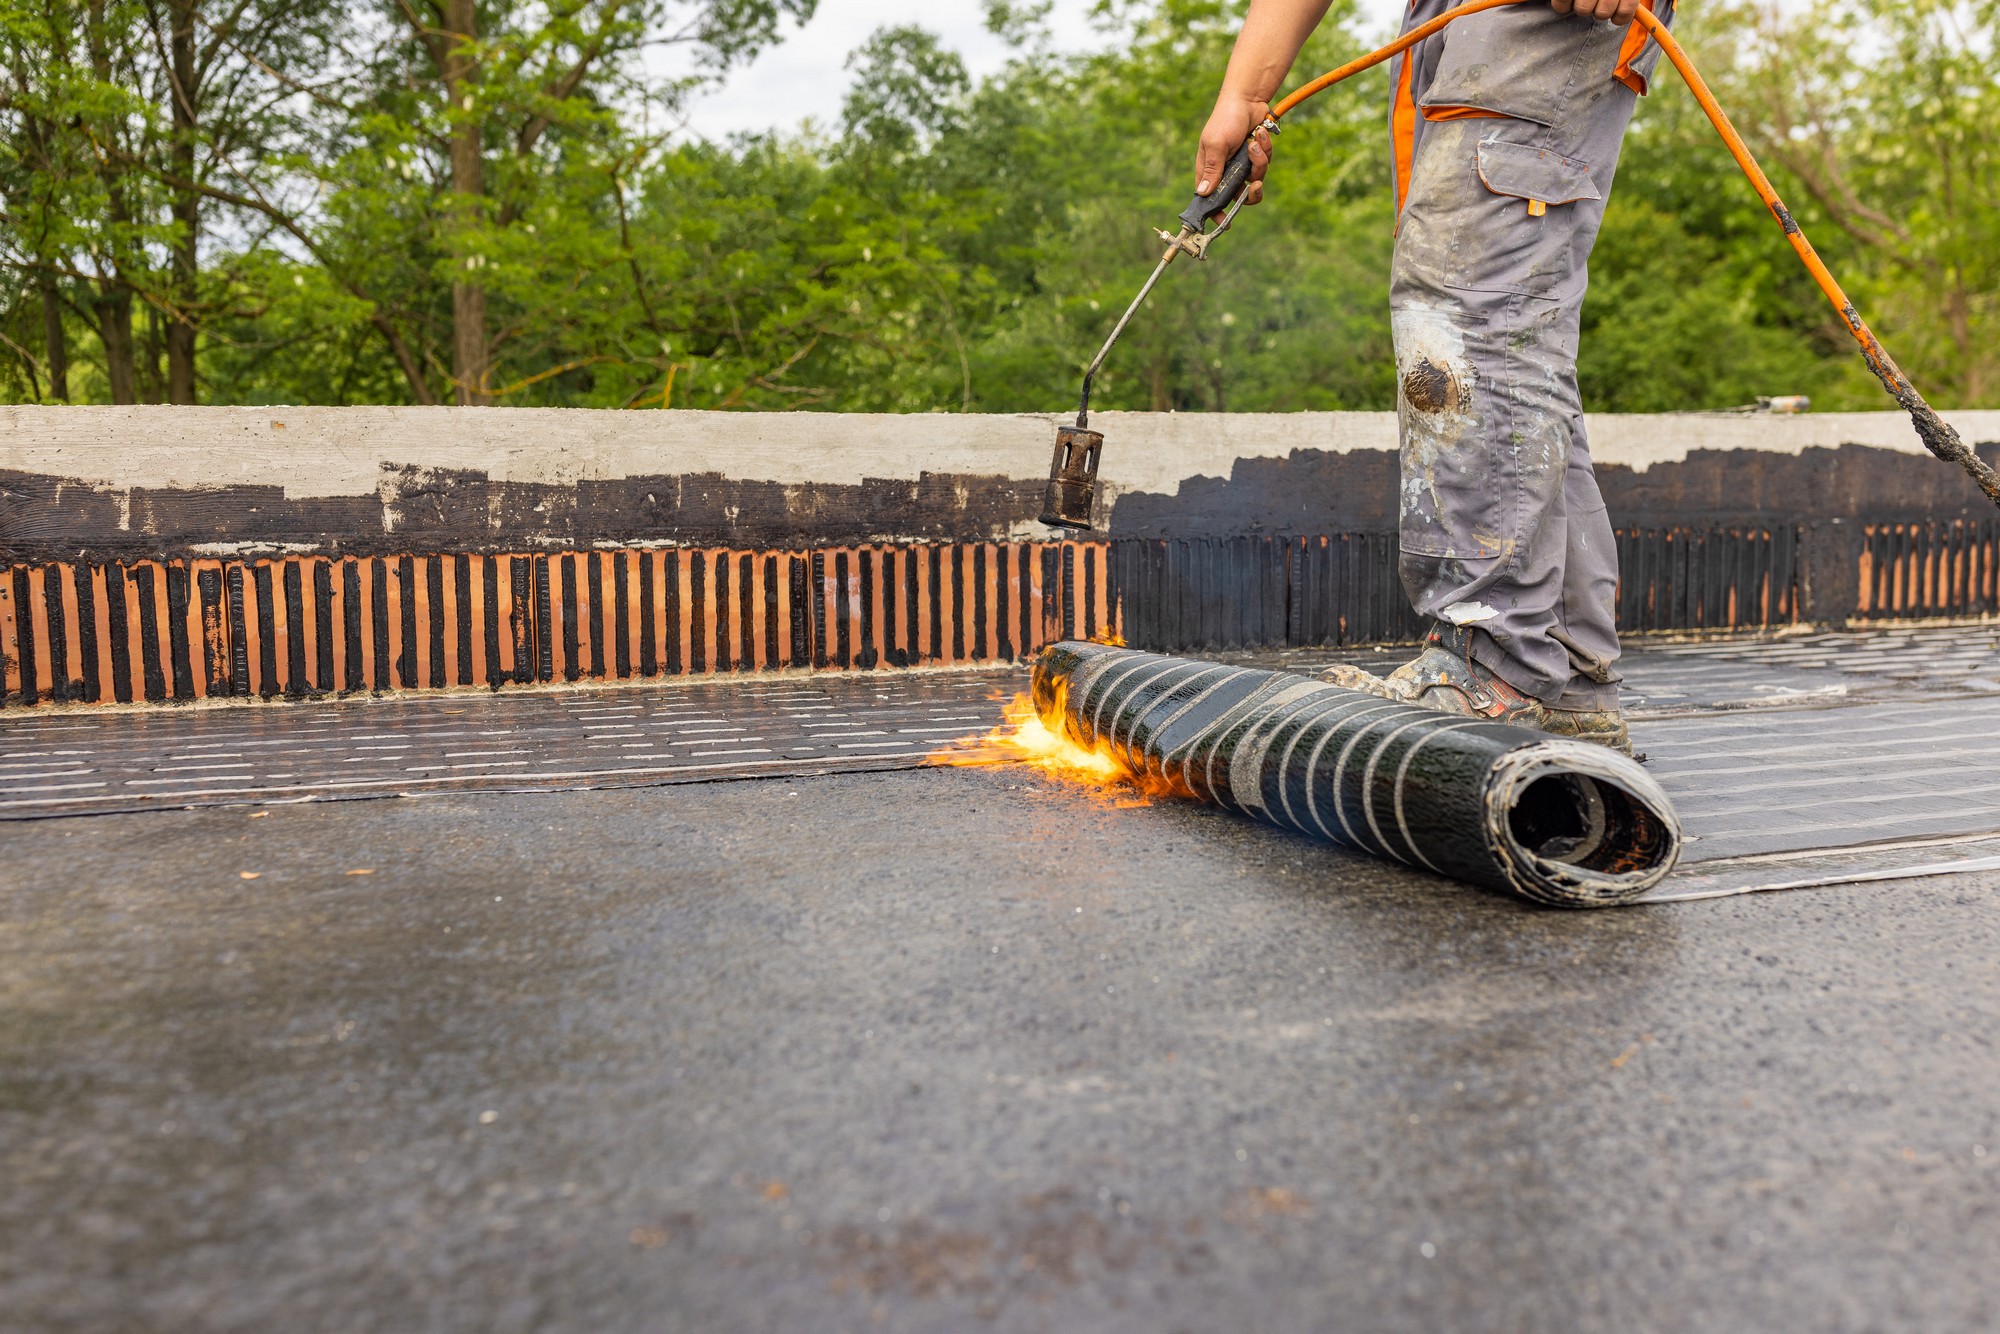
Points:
(803, 76)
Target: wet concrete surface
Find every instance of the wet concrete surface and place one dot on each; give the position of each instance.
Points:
(959, 1050)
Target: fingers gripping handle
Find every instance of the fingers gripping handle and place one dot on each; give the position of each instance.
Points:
(1235, 175)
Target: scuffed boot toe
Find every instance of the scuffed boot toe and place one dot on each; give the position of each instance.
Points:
(1354, 678)
(1603, 727)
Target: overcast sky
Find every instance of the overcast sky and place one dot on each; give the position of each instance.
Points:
(803, 76)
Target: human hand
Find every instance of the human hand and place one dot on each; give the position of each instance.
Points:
(1227, 125)
(1619, 12)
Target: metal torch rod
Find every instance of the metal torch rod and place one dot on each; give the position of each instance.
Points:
(1083, 405)
(1226, 201)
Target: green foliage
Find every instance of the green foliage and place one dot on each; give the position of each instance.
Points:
(907, 91)
(1883, 111)
(1695, 299)
(1303, 275)
(952, 245)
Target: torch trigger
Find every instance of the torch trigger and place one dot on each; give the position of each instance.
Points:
(1196, 243)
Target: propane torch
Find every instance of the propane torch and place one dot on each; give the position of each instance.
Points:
(1072, 486)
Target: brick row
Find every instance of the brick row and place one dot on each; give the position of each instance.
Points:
(307, 625)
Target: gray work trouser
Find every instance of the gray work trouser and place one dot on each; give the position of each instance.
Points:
(1502, 188)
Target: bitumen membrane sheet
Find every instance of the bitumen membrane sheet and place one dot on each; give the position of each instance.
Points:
(862, 1046)
(1793, 760)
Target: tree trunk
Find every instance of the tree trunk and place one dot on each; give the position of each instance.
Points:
(114, 324)
(468, 294)
(185, 254)
(113, 300)
(55, 343)
(1958, 318)
(420, 388)
(151, 344)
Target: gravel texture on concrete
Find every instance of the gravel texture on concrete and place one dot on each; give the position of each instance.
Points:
(959, 1049)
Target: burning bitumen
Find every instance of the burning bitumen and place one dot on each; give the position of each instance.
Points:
(1556, 821)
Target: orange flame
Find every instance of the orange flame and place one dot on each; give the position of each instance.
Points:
(1024, 737)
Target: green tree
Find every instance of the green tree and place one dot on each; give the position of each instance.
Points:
(517, 109)
(132, 127)
(1089, 160)
(1883, 110)
(1695, 300)
(483, 201)
(78, 228)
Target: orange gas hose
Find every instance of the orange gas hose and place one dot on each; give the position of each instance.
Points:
(1936, 433)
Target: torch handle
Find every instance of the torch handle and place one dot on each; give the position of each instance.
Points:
(1235, 175)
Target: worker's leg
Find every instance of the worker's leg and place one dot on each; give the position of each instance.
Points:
(1503, 529)
(1588, 615)
(1485, 303)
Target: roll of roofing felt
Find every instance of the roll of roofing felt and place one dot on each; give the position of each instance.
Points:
(1557, 821)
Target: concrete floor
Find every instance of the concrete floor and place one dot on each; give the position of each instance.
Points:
(958, 1049)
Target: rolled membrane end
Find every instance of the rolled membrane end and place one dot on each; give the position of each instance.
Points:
(1575, 825)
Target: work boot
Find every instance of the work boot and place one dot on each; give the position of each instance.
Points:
(1445, 677)
(1604, 727)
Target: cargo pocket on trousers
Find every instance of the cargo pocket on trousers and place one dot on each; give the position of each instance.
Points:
(1534, 174)
(1525, 249)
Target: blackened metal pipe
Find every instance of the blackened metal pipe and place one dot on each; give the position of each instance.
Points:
(1557, 821)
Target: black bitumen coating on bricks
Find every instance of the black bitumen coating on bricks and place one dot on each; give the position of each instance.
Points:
(46, 516)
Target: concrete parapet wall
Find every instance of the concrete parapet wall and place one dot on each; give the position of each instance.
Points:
(153, 481)
(177, 553)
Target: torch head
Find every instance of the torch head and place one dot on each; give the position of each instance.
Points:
(1072, 478)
